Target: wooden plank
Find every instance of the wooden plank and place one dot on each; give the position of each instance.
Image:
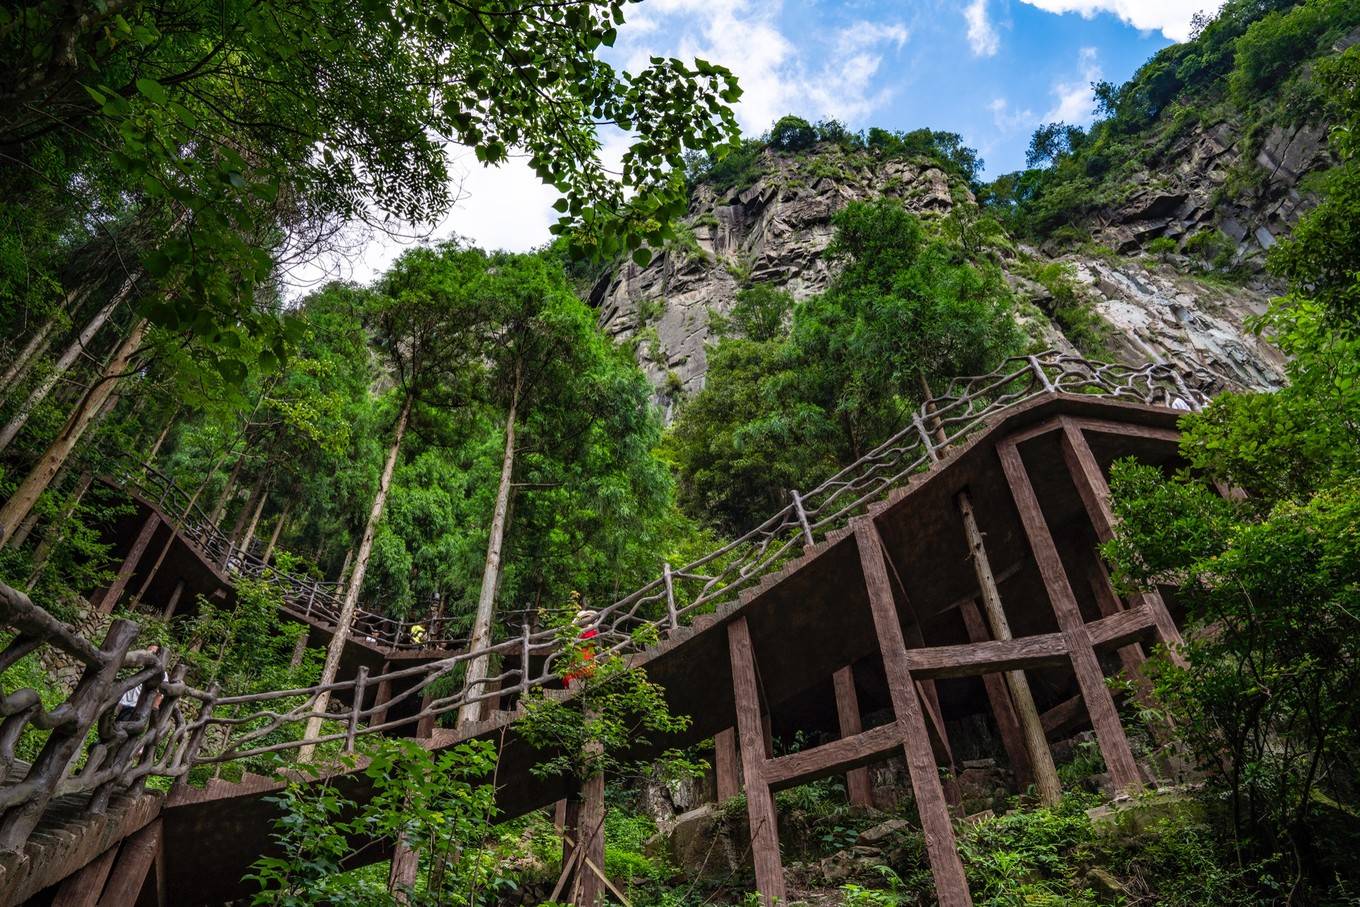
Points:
(951, 886)
(1036, 746)
(1114, 745)
(1119, 630)
(759, 801)
(1125, 429)
(130, 869)
(110, 598)
(725, 764)
(834, 757)
(1095, 497)
(971, 659)
(589, 886)
(1065, 717)
(930, 697)
(999, 698)
(857, 786)
(84, 887)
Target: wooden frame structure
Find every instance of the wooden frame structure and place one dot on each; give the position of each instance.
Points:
(909, 670)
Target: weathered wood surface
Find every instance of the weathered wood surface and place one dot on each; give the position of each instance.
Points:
(951, 886)
(759, 801)
(1114, 745)
(857, 786)
(863, 748)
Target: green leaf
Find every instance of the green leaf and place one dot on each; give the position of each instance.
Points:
(641, 257)
(152, 90)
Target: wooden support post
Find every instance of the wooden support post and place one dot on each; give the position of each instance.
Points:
(725, 764)
(951, 886)
(111, 595)
(1114, 745)
(999, 697)
(129, 870)
(1027, 713)
(1095, 497)
(589, 888)
(847, 714)
(82, 889)
(401, 877)
(425, 726)
(357, 706)
(383, 696)
(759, 801)
(173, 603)
(560, 814)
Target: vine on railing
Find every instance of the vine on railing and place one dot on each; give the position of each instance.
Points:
(166, 736)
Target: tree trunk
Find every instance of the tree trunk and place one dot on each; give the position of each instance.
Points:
(491, 573)
(278, 530)
(220, 507)
(160, 439)
(36, 346)
(57, 531)
(37, 480)
(64, 363)
(336, 647)
(247, 511)
(249, 535)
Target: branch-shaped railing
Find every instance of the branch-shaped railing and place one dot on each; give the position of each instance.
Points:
(177, 735)
(308, 599)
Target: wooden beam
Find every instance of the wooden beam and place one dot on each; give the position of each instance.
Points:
(110, 598)
(930, 697)
(971, 659)
(857, 786)
(1114, 745)
(82, 888)
(834, 757)
(1125, 429)
(951, 886)
(1065, 717)
(999, 698)
(725, 764)
(130, 869)
(1027, 713)
(1095, 497)
(1122, 629)
(759, 800)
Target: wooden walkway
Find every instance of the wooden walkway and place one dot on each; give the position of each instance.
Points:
(894, 614)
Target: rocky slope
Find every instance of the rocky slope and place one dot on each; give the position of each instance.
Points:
(776, 229)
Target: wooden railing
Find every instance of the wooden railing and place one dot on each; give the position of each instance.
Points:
(190, 727)
(312, 600)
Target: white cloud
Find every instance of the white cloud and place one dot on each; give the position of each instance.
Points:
(982, 34)
(1170, 17)
(1075, 101)
(1007, 119)
(776, 77)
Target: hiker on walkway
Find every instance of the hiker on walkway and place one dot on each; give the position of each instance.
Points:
(127, 703)
(584, 622)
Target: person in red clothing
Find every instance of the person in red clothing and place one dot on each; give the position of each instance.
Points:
(584, 622)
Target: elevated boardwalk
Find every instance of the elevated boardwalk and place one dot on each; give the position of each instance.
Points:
(880, 617)
(805, 623)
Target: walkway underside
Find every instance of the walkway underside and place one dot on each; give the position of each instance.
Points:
(890, 598)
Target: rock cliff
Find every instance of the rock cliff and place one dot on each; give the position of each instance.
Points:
(776, 229)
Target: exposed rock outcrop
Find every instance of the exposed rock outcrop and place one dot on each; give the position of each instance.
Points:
(776, 231)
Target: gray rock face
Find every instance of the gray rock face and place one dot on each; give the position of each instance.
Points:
(1209, 183)
(776, 232)
(1158, 314)
(772, 232)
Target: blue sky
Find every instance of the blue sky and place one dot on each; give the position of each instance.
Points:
(991, 70)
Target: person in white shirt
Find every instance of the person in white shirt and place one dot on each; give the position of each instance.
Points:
(127, 704)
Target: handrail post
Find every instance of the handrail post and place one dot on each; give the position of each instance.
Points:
(524, 656)
(360, 682)
(670, 597)
(802, 519)
(1044, 380)
(925, 437)
(196, 740)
